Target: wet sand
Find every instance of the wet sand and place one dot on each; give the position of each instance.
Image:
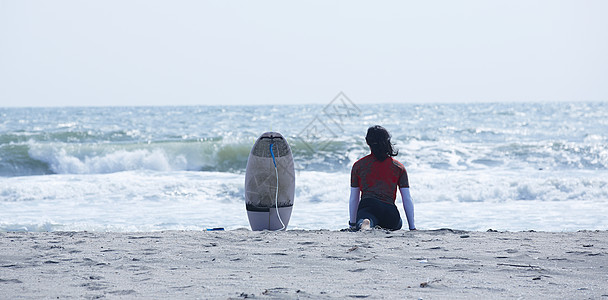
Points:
(238, 264)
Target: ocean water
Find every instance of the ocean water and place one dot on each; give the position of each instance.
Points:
(502, 166)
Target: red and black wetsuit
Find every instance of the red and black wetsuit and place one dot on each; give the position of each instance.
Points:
(378, 181)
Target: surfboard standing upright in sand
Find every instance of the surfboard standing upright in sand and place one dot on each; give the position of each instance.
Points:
(270, 165)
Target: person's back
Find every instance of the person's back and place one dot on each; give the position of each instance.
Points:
(378, 179)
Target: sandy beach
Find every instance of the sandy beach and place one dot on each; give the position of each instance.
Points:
(237, 264)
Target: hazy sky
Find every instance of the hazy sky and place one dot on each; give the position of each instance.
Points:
(57, 53)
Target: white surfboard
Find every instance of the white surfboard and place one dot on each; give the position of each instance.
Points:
(267, 209)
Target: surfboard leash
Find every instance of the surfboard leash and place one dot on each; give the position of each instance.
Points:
(276, 196)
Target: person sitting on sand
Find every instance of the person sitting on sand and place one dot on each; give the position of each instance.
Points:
(374, 180)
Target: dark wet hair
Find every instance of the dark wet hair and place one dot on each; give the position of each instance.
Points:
(379, 140)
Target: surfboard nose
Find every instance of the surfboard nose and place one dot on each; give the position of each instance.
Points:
(271, 135)
(261, 148)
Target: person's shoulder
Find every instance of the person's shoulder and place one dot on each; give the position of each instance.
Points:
(397, 163)
(363, 160)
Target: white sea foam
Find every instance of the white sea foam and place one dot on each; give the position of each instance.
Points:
(144, 200)
(65, 158)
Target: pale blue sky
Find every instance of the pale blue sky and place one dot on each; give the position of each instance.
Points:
(72, 53)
